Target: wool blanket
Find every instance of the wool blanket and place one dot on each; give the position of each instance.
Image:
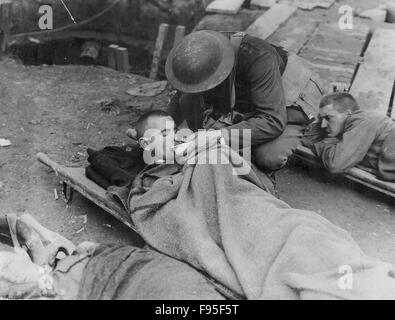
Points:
(219, 219)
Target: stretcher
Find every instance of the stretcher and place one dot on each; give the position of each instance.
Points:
(355, 174)
(75, 179)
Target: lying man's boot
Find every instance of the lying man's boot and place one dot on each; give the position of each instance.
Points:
(51, 239)
(41, 244)
(26, 241)
(31, 240)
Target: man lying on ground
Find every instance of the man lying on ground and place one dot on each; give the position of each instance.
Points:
(351, 137)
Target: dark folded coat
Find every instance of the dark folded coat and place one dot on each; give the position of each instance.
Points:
(114, 166)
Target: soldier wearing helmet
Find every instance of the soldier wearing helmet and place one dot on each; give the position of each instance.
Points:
(243, 82)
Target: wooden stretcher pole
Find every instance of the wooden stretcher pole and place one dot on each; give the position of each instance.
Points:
(59, 170)
(44, 159)
(354, 174)
(74, 179)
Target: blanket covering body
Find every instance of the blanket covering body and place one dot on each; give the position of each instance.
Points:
(255, 244)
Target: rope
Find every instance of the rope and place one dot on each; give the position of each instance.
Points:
(68, 11)
(68, 26)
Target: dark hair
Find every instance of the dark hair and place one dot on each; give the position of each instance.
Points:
(342, 102)
(142, 121)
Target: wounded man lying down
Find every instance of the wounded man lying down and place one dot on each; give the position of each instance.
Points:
(346, 136)
(218, 219)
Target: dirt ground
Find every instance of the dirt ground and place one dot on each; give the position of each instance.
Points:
(57, 110)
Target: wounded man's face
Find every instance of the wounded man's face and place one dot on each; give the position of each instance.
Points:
(332, 121)
(158, 139)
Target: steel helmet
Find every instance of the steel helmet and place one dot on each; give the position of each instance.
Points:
(200, 61)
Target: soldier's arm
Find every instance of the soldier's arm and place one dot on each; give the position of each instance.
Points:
(267, 97)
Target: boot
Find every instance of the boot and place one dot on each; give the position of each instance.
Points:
(49, 237)
(32, 241)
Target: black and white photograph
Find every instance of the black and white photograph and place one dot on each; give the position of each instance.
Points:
(197, 153)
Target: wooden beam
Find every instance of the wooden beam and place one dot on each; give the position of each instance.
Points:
(294, 35)
(264, 3)
(372, 86)
(5, 21)
(272, 19)
(225, 6)
(179, 34)
(311, 4)
(334, 53)
(111, 37)
(205, 3)
(111, 56)
(160, 40)
(122, 57)
(224, 22)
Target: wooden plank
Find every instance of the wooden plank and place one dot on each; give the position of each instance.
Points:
(264, 3)
(373, 83)
(272, 19)
(355, 174)
(332, 74)
(5, 21)
(224, 22)
(179, 34)
(122, 57)
(311, 4)
(294, 34)
(330, 43)
(334, 56)
(334, 53)
(205, 3)
(160, 40)
(333, 68)
(225, 6)
(111, 56)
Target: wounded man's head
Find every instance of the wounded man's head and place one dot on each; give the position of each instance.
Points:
(334, 110)
(156, 134)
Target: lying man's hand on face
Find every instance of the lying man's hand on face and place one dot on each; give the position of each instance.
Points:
(198, 142)
(204, 140)
(313, 134)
